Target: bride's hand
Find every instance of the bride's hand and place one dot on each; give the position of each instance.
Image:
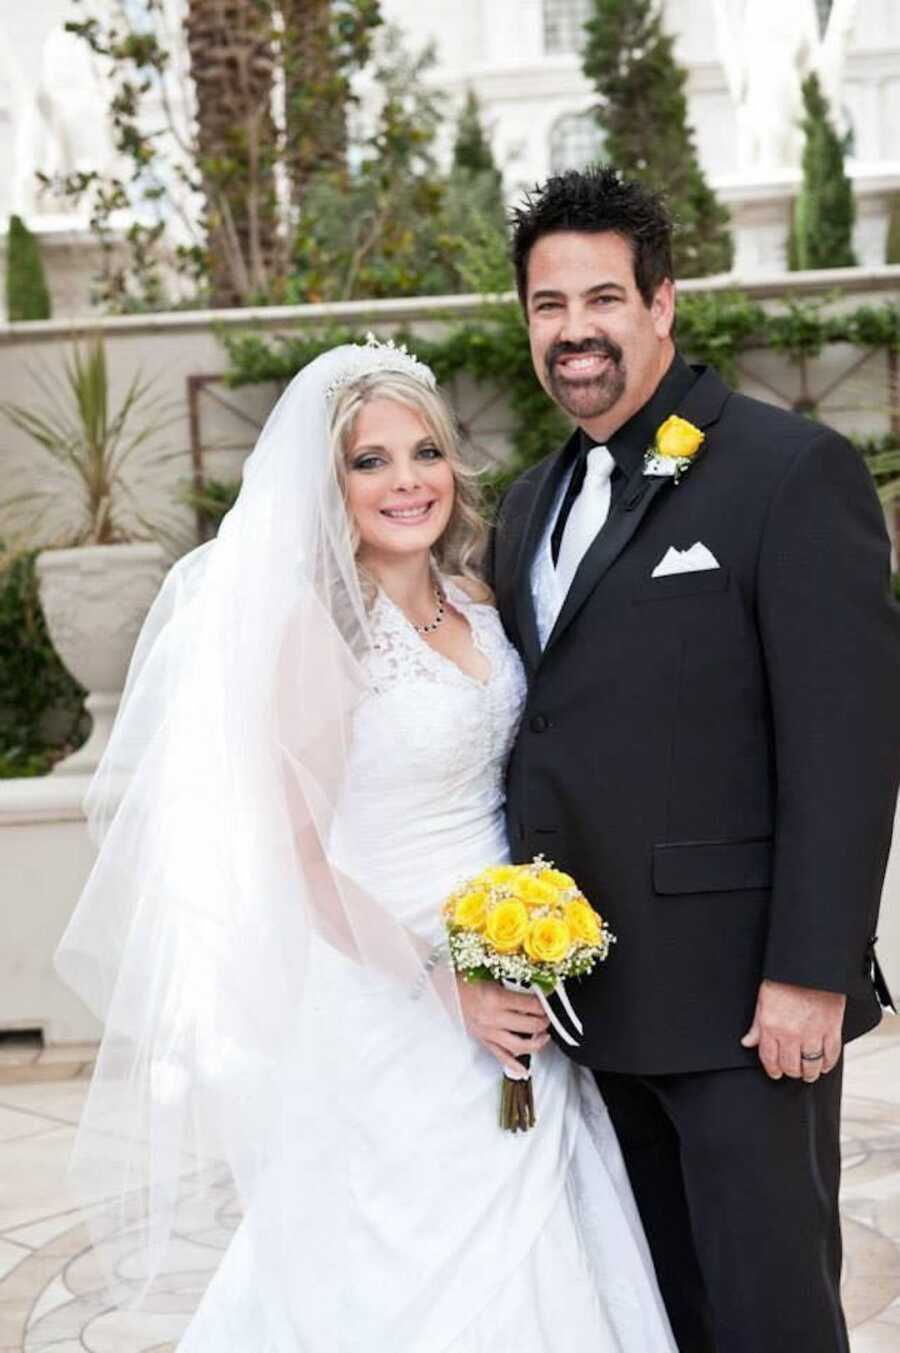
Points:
(507, 1023)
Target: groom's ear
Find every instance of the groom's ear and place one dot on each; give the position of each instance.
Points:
(662, 308)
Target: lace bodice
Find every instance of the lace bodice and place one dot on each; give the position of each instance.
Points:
(425, 783)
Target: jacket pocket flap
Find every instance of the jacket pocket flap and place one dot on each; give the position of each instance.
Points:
(712, 866)
(682, 584)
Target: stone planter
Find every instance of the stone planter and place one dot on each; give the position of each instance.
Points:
(95, 598)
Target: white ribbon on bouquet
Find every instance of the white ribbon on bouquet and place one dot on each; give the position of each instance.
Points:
(560, 991)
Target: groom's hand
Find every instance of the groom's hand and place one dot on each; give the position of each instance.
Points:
(791, 1021)
(507, 1023)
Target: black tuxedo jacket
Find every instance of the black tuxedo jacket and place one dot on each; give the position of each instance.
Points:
(713, 755)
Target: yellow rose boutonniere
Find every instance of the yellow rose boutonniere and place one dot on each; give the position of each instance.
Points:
(674, 447)
(506, 926)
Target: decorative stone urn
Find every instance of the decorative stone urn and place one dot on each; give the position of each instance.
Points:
(95, 598)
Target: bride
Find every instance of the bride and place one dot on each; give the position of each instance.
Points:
(309, 757)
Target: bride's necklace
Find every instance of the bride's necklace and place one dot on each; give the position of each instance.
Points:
(438, 617)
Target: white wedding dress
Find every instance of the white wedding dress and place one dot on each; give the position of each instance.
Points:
(412, 1229)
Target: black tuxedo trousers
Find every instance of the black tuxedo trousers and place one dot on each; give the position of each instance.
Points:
(736, 1179)
(714, 756)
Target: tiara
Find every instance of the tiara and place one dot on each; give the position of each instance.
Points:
(360, 359)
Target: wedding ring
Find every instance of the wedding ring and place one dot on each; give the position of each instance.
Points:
(812, 1056)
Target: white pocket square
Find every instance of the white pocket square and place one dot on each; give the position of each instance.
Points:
(694, 560)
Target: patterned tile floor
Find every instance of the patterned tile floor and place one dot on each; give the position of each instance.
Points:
(50, 1299)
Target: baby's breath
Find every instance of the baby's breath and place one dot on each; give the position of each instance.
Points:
(474, 956)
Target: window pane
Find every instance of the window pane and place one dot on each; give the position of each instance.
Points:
(575, 141)
(564, 22)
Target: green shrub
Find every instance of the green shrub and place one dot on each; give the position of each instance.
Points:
(892, 249)
(41, 706)
(882, 455)
(212, 501)
(27, 296)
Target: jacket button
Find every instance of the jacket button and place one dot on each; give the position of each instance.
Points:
(539, 723)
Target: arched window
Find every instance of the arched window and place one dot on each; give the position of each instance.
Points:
(575, 140)
(564, 22)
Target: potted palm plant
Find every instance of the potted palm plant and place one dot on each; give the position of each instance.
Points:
(104, 563)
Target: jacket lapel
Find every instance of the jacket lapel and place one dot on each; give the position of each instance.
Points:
(532, 532)
(700, 406)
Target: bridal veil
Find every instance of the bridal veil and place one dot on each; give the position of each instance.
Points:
(212, 810)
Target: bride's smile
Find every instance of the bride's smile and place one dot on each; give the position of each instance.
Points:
(409, 515)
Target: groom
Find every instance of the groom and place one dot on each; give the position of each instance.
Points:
(710, 746)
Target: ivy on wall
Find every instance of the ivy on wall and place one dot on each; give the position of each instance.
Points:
(491, 351)
(40, 705)
(713, 328)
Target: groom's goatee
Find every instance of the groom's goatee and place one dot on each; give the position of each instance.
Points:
(592, 395)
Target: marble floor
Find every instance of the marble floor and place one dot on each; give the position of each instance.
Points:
(51, 1299)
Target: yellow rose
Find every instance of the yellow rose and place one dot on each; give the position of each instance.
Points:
(506, 926)
(556, 878)
(499, 874)
(583, 922)
(470, 910)
(677, 439)
(534, 893)
(548, 940)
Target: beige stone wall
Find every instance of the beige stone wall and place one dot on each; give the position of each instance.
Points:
(45, 857)
(172, 348)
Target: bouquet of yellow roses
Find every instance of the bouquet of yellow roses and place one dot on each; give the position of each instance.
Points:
(530, 927)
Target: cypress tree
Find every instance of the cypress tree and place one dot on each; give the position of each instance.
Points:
(824, 212)
(642, 111)
(474, 171)
(892, 247)
(472, 148)
(27, 296)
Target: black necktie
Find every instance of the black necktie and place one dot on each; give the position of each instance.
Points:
(575, 485)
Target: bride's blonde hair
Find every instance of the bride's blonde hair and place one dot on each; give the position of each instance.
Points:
(460, 548)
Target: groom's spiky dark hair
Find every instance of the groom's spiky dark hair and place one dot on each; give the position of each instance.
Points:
(592, 200)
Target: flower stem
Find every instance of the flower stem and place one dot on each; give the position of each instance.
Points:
(517, 1103)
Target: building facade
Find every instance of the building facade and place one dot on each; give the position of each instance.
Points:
(744, 60)
(522, 58)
